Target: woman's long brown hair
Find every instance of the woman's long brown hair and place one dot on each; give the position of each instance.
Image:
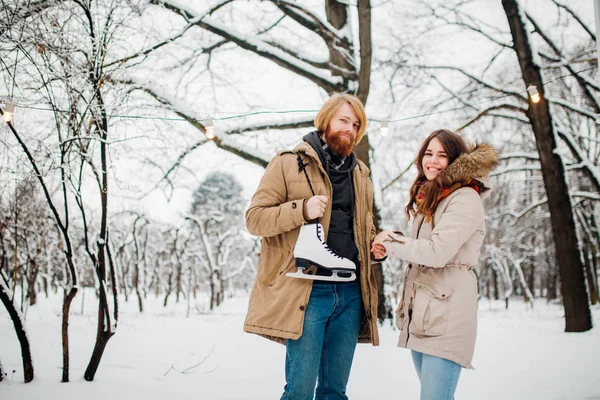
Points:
(454, 145)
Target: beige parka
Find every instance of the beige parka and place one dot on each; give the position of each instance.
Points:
(277, 302)
(437, 314)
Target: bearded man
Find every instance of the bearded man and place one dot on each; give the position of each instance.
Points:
(319, 319)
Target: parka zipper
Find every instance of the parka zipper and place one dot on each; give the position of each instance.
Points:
(278, 270)
(367, 304)
(412, 294)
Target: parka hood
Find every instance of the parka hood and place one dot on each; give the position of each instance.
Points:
(476, 164)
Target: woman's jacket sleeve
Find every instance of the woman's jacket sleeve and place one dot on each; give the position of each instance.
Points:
(460, 219)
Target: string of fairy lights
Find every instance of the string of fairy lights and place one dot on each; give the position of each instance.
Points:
(534, 95)
(9, 106)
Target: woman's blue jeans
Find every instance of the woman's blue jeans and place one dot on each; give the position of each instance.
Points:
(325, 350)
(438, 376)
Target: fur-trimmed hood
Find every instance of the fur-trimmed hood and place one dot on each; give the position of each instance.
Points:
(476, 164)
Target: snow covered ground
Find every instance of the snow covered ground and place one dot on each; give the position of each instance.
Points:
(520, 354)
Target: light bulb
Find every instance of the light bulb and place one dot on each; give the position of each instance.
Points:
(210, 133)
(533, 94)
(9, 110)
(209, 126)
(385, 127)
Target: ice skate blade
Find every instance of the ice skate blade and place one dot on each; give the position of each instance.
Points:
(305, 263)
(333, 278)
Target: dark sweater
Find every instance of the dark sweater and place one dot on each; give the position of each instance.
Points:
(341, 227)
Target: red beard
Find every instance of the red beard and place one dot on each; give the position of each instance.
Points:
(340, 143)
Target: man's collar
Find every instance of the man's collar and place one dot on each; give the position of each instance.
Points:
(333, 160)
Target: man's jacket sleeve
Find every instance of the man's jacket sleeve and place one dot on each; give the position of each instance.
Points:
(270, 213)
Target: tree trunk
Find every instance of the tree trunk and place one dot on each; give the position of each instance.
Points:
(212, 290)
(67, 300)
(527, 295)
(592, 289)
(574, 293)
(105, 329)
(139, 297)
(340, 50)
(594, 241)
(102, 337)
(31, 279)
(136, 272)
(496, 289)
(178, 277)
(221, 294)
(531, 277)
(595, 276)
(124, 274)
(365, 43)
(17, 319)
(168, 289)
(487, 289)
(551, 292)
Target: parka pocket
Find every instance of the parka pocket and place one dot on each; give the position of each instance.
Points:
(278, 268)
(431, 304)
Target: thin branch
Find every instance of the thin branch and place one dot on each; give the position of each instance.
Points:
(486, 111)
(390, 183)
(259, 47)
(308, 20)
(189, 370)
(150, 49)
(576, 17)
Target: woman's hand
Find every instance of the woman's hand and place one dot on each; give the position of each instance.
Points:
(377, 248)
(378, 251)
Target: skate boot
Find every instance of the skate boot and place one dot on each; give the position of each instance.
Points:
(311, 249)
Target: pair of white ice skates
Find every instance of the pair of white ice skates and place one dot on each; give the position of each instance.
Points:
(312, 249)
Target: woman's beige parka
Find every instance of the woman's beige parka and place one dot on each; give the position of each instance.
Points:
(437, 314)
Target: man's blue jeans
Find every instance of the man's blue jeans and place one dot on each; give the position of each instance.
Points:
(326, 348)
(438, 376)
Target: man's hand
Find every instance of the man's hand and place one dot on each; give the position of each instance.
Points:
(315, 207)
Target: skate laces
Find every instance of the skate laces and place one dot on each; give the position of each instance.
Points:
(325, 244)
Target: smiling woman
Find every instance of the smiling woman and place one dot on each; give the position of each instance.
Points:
(435, 159)
(437, 314)
(441, 148)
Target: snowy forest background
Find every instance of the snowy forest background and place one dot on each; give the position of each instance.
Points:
(113, 179)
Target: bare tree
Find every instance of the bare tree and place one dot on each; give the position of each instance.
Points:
(577, 312)
(6, 296)
(566, 154)
(69, 76)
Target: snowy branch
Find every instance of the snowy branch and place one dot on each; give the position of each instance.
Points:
(194, 120)
(487, 110)
(530, 207)
(487, 84)
(591, 170)
(259, 47)
(309, 20)
(576, 17)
